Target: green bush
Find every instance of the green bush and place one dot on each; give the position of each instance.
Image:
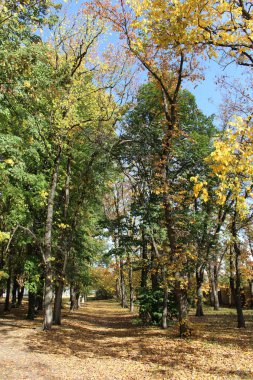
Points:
(103, 294)
(151, 306)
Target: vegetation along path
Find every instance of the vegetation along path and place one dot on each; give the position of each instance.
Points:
(101, 341)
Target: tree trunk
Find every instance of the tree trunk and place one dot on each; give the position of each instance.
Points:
(48, 316)
(238, 299)
(251, 293)
(165, 299)
(14, 293)
(199, 282)
(77, 300)
(144, 268)
(182, 304)
(31, 306)
(39, 297)
(48, 298)
(117, 289)
(214, 286)
(154, 271)
(131, 288)
(20, 295)
(122, 285)
(7, 305)
(231, 279)
(73, 299)
(58, 303)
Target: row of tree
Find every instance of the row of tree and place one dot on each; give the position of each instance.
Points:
(79, 161)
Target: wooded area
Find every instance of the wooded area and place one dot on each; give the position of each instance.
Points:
(115, 184)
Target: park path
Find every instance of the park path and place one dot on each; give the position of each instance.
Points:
(93, 343)
(101, 342)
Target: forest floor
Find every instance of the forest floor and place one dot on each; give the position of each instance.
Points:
(101, 342)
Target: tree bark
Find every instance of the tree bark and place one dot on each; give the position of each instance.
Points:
(131, 288)
(20, 295)
(251, 293)
(31, 306)
(7, 305)
(58, 303)
(165, 299)
(14, 292)
(181, 296)
(144, 268)
(214, 286)
(154, 272)
(122, 285)
(73, 299)
(199, 283)
(238, 299)
(231, 279)
(48, 298)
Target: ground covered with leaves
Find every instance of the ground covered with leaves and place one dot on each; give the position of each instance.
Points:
(101, 342)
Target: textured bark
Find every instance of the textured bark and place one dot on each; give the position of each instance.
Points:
(131, 288)
(199, 283)
(62, 267)
(20, 295)
(118, 289)
(238, 299)
(165, 300)
(58, 303)
(14, 293)
(214, 286)
(231, 279)
(251, 293)
(7, 304)
(123, 301)
(144, 268)
(182, 303)
(73, 299)
(48, 298)
(154, 272)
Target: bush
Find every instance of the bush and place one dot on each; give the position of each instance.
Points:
(151, 306)
(103, 294)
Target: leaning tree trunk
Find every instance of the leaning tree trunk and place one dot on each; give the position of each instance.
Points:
(48, 298)
(199, 283)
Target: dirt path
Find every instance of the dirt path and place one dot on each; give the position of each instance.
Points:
(100, 342)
